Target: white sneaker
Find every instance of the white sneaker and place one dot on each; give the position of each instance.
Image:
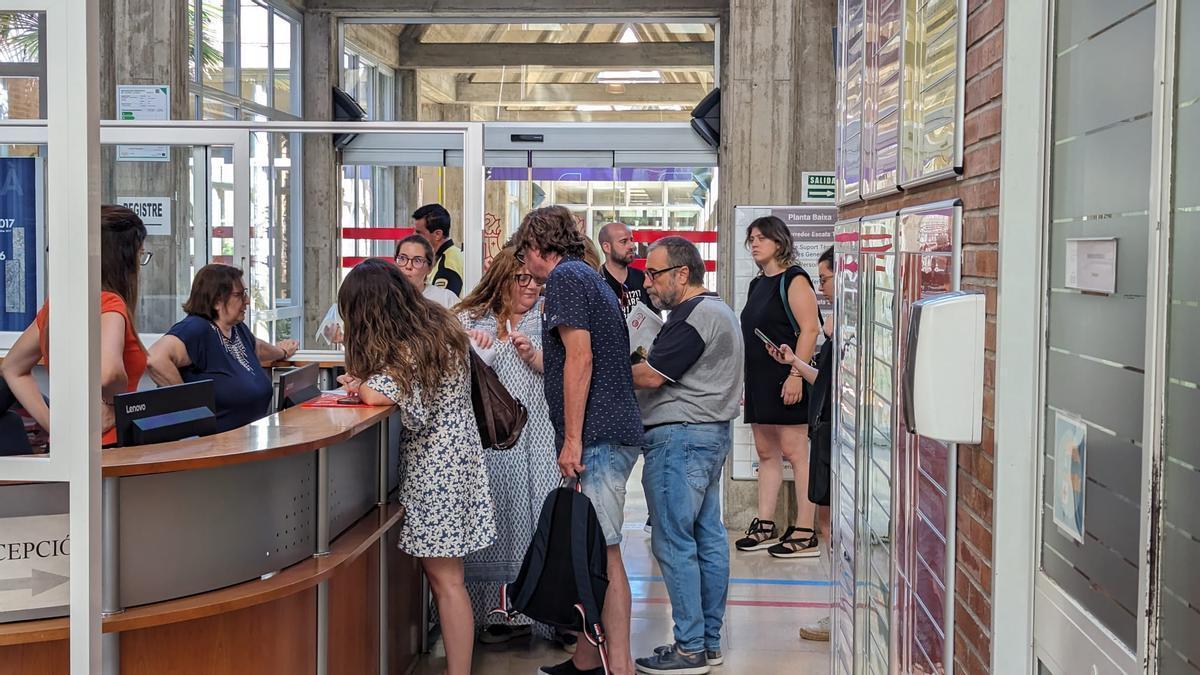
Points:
(816, 632)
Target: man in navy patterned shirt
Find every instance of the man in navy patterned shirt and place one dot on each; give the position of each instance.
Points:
(589, 389)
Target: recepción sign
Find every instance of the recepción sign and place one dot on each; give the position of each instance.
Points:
(35, 561)
(155, 212)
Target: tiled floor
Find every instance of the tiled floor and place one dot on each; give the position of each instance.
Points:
(769, 600)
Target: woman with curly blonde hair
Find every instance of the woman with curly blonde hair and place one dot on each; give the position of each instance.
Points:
(504, 312)
(405, 350)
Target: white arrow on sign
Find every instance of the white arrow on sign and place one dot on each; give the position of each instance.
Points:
(38, 581)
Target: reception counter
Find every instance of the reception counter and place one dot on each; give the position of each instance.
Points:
(265, 549)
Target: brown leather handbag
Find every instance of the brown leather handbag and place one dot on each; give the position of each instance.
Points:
(500, 416)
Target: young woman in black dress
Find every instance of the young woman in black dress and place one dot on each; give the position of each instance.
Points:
(774, 403)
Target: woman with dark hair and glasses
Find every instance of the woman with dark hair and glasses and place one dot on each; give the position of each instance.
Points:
(781, 305)
(504, 313)
(122, 356)
(214, 343)
(414, 257)
(402, 349)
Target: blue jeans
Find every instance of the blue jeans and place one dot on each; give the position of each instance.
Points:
(606, 471)
(682, 479)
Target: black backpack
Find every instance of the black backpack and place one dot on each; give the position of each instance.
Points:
(564, 577)
(500, 417)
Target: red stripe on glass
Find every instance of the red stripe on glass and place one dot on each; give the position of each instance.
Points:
(694, 236)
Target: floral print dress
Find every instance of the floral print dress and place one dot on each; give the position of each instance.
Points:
(444, 488)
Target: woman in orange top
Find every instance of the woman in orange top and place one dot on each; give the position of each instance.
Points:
(122, 356)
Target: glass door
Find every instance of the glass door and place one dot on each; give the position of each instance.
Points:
(1088, 585)
(877, 431)
(845, 461)
(185, 186)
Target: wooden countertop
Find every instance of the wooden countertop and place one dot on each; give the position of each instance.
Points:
(292, 431)
(305, 574)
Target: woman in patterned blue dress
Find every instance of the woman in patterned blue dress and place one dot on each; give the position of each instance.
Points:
(405, 350)
(503, 313)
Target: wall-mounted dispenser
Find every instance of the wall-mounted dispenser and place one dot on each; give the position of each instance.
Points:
(943, 379)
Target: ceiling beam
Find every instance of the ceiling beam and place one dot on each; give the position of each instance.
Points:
(512, 94)
(481, 11)
(645, 55)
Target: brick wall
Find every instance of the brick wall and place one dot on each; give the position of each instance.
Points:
(979, 190)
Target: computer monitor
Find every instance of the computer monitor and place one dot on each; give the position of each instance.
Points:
(298, 385)
(166, 414)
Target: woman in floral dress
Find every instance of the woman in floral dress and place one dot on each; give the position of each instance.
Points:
(405, 350)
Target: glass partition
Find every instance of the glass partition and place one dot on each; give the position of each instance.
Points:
(1179, 599)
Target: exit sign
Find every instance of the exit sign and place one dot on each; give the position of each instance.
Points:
(820, 187)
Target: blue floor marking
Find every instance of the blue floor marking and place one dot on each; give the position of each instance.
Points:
(754, 582)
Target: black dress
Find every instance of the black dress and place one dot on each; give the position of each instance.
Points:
(764, 310)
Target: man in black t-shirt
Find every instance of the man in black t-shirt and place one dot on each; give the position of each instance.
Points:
(627, 283)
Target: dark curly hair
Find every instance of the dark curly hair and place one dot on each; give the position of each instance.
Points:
(551, 229)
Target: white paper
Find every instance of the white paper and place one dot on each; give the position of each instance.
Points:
(1091, 265)
(488, 354)
(643, 324)
(143, 103)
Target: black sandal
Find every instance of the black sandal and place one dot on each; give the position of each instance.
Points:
(758, 536)
(791, 546)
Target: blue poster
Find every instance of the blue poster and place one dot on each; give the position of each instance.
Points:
(18, 242)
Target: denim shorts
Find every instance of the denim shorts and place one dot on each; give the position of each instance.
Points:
(606, 471)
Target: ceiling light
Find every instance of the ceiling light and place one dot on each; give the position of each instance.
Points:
(629, 76)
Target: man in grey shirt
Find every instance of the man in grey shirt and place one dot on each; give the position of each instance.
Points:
(689, 389)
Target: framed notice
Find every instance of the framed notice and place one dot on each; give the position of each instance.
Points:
(1070, 475)
(143, 102)
(1091, 265)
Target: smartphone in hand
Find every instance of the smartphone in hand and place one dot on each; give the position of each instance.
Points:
(349, 400)
(766, 340)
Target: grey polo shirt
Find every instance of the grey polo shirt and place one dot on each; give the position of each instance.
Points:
(699, 351)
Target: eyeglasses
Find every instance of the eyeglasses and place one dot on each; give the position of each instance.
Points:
(239, 295)
(825, 279)
(519, 257)
(417, 261)
(146, 256)
(653, 273)
(524, 280)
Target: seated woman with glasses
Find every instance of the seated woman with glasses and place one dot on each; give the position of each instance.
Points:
(214, 343)
(504, 312)
(414, 257)
(122, 356)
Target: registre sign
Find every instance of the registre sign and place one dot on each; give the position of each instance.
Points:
(35, 562)
(145, 103)
(819, 187)
(155, 212)
(812, 233)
